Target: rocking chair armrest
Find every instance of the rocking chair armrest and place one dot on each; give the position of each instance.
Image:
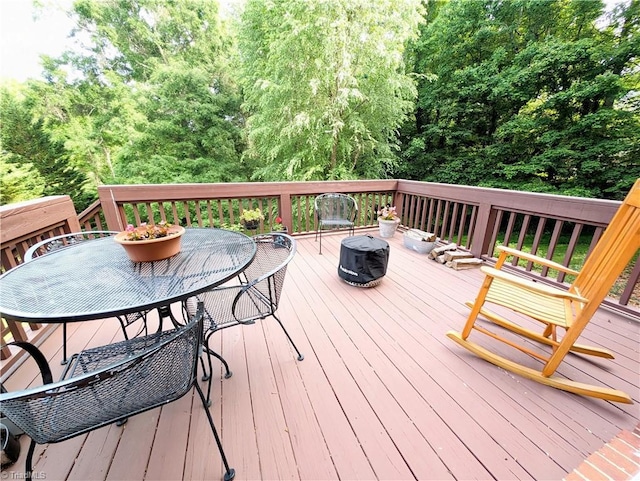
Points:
(530, 285)
(508, 251)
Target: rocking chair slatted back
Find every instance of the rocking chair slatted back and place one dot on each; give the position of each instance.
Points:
(612, 253)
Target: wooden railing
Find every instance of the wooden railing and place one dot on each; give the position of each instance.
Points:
(552, 226)
(220, 205)
(92, 218)
(24, 224)
(477, 219)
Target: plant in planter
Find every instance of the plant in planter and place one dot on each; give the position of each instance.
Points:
(232, 227)
(148, 231)
(277, 226)
(388, 221)
(251, 218)
(150, 242)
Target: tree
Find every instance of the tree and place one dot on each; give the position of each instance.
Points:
(190, 133)
(526, 96)
(18, 182)
(150, 98)
(34, 163)
(325, 85)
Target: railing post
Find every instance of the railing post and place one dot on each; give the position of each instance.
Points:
(110, 209)
(286, 211)
(483, 230)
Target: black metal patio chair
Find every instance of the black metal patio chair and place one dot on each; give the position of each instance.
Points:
(335, 211)
(65, 241)
(108, 384)
(256, 297)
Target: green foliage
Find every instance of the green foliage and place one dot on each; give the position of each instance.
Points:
(132, 37)
(325, 85)
(519, 94)
(189, 133)
(151, 99)
(34, 163)
(249, 215)
(19, 182)
(526, 95)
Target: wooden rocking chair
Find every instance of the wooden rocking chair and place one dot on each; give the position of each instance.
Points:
(554, 307)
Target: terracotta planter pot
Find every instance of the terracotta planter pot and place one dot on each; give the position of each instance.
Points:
(388, 227)
(152, 249)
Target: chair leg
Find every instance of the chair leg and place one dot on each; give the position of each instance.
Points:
(477, 306)
(227, 373)
(124, 328)
(208, 401)
(320, 241)
(205, 376)
(229, 472)
(210, 352)
(29, 462)
(300, 356)
(64, 344)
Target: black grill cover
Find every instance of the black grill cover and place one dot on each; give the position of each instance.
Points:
(363, 259)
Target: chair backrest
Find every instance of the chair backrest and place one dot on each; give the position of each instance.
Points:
(140, 374)
(63, 241)
(612, 253)
(267, 272)
(335, 206)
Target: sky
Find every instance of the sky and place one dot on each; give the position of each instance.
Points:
(24, 38)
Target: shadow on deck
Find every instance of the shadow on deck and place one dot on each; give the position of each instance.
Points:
(382, 392)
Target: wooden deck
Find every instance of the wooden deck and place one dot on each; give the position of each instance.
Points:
(381, 394)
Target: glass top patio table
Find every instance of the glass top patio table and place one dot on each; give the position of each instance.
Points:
(95, 279)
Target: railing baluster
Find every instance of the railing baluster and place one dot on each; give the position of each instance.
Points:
(553, 243)
(536, 240)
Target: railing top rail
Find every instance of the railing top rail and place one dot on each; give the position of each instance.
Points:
(23, 218)
(576, 209)
(129, 193)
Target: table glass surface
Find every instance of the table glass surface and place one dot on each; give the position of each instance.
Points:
(96, 279)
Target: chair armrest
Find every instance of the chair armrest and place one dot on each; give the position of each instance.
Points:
(530, 285)
(38, 357)
(508, 251)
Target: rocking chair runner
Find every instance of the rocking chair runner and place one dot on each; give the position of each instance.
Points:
(556, 308)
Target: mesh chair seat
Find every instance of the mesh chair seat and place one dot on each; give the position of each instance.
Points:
(108, 384)
(66, 241)
(256, 297)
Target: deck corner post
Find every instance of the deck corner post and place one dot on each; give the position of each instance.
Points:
(483, 230)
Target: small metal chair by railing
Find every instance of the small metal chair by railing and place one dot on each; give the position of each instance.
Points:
(335, 211)
(108, 384)
(65, 241)
(257, 297)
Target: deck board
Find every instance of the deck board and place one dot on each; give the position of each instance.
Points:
(381, 394)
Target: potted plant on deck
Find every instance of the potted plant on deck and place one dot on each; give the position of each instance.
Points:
(278, 226)
(388, 221)
(251, 218)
